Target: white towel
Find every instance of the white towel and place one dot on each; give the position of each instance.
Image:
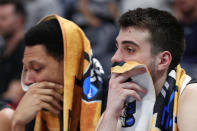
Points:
(144, 109)
(24, 87)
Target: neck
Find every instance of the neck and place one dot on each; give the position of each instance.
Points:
(159, 82)
(11, 43)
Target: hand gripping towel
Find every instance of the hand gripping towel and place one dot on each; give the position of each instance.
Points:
(137, 116)
(164, 116)
(83, 84)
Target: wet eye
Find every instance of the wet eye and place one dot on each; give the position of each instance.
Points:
(130, 49)
(37, 69)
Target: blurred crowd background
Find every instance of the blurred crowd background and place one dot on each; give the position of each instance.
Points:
(98, 19)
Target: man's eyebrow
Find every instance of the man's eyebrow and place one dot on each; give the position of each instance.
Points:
(34, 62)
(130, 42)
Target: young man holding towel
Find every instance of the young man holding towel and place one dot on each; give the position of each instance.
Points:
(153, 38)
(63, 82)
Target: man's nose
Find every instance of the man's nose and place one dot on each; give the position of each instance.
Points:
(117, 57)
(28, 79)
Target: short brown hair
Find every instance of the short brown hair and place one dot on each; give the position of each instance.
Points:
(166, 32)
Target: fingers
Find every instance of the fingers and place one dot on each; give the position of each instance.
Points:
(132, 93)
(50, 108)
(133, 86)
(47, 88)
(48, 85)
(46, 93)
(126, 89)
(50, 92)
(114, 75)
(125, 76)
(120, 89)
(129, 89)
(51, 100)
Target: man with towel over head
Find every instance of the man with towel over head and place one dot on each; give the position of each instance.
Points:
(148, 90)
(63, 82)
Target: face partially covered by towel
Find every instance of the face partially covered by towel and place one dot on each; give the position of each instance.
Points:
(134, 44)
(40, 66)
(57, 55)
(43, 56)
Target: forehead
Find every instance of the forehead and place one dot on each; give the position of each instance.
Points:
(133, 34)
(7, 8)
(35, 53)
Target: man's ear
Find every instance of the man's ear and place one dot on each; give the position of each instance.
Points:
(163, 60)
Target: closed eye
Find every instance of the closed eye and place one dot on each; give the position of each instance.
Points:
(37, 69)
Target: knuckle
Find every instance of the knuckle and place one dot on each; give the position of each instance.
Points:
(55, 104)
(52, 84)
(122, 93)
(38, 102)
(36, 96)
(57, 97)
(111, 84)
(51, 98)
(132, 83)
(123, 96)
(41, 84)
(51, 91)
(133, 93)
(32, 91)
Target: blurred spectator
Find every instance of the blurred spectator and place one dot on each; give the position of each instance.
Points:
(69, 8)
(97, 19)
(186, 13)
(12, 16)
(36, 9)
(133, 4)
(1, 45)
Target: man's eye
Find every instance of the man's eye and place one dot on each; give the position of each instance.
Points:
(129, 49)
(37, 69)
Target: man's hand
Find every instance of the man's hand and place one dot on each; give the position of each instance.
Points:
(119, 90)
(40, 96)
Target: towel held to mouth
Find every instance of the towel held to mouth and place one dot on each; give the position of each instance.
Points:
(136, 115)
